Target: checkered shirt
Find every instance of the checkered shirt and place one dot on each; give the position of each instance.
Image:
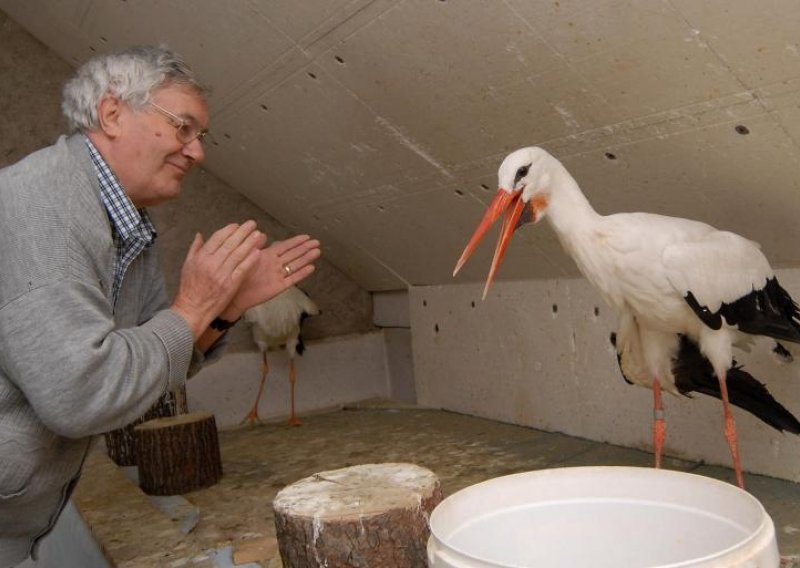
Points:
(131, 228)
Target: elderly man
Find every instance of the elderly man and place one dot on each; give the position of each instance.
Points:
(88, 337)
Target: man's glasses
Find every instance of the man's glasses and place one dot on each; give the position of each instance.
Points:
(185, 130)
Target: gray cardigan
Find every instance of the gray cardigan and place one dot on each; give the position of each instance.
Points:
(69, 367)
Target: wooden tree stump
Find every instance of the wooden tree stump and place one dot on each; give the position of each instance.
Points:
(178, 454)
(361, 516)
(120, 444)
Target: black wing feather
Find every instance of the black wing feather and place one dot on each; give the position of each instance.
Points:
(769, 311)
(613, 339)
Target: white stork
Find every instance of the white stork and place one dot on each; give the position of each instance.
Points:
(676, 284)
(276, 324)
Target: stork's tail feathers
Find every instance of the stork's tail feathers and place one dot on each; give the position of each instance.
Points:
(693, 373)
(751, 395)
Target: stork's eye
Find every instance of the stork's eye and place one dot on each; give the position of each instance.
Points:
(521, 173)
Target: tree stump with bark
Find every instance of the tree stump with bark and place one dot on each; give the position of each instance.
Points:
(120, 444)
(178, 454)
(361, 516)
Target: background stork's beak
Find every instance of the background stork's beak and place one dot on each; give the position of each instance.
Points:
(503, 201)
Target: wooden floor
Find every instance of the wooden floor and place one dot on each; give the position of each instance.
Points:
(135, 530)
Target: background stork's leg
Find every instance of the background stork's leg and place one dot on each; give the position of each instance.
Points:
(659, 425)
(730, 431)
(293, 420)
(252, 416)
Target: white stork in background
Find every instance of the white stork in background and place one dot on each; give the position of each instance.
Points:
(685, 292)
(276, 324)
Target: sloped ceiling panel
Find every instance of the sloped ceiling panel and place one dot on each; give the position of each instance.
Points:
(379, 125)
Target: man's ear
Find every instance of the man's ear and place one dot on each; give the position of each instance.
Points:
(109, 113)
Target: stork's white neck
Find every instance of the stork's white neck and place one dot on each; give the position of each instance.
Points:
(576, 224)
(569, 212)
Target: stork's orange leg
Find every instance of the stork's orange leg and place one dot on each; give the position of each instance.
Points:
(293, 420)
(252, 416)
(659, 424)
(730, 432)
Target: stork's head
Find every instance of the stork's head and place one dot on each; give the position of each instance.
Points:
(524, 181)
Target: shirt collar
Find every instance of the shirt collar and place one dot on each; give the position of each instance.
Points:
(130, 223)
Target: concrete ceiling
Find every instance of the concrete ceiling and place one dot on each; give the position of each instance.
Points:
(378, 125)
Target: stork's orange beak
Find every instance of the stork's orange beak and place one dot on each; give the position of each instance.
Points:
(503, 201)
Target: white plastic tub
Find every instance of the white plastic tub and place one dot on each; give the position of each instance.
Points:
(602, 517)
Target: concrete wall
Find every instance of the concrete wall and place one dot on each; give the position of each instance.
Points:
(330, 373)
(31, 78)
(392, 316)
(537, 353)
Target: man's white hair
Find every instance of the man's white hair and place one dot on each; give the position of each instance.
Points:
(131, 75)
